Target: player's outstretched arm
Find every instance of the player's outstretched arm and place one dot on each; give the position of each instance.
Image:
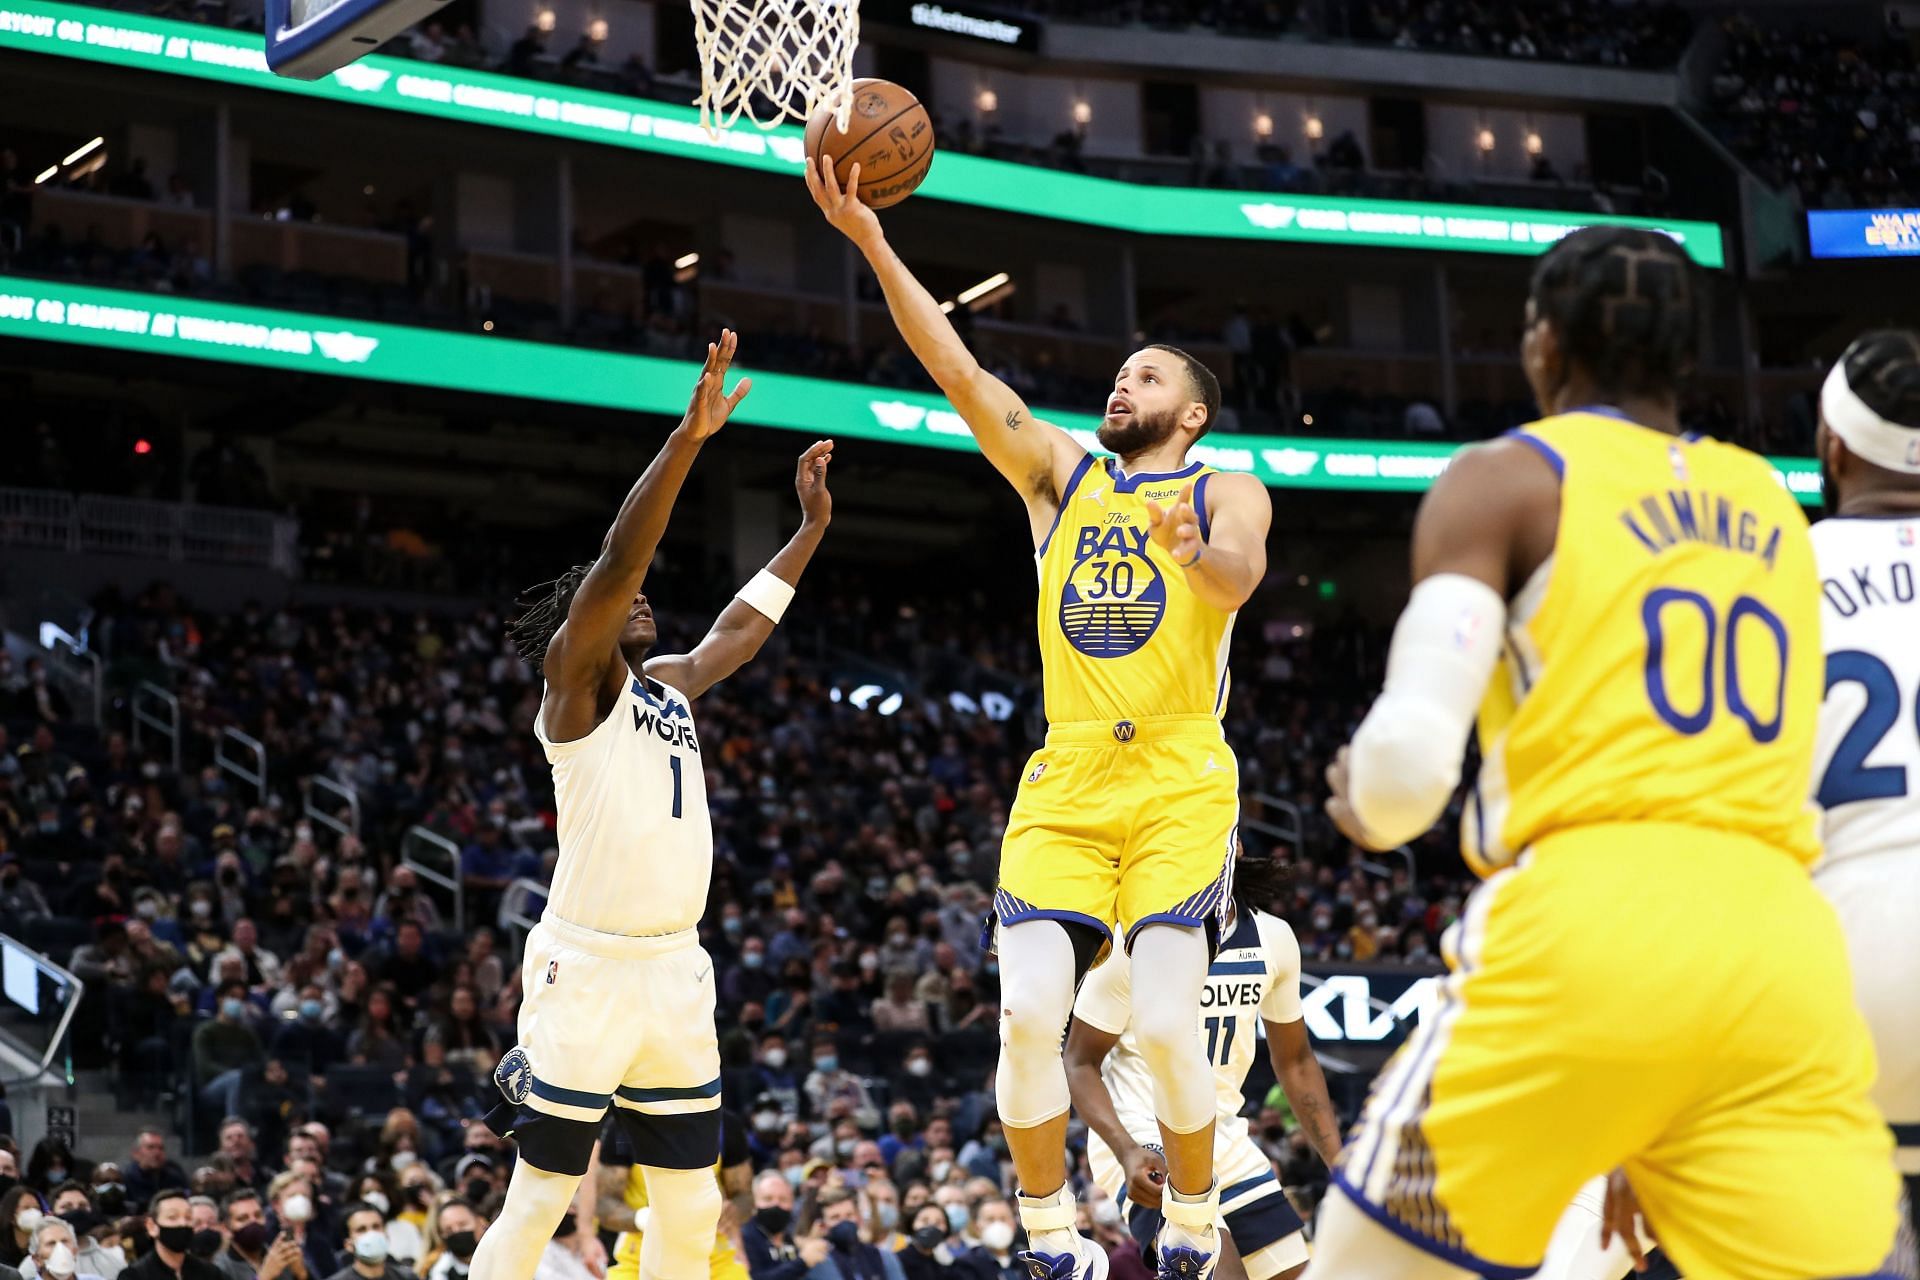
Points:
(1483, 528)
(1030, 453)
(1300, 1077)
(1223, 568)
(578, 656)
(1088, 1047)
(744, 625)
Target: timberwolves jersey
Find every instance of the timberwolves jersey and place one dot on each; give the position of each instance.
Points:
(1256, 976)
(1121, 634)
(636, 844)
(1867, 764)
(1664, 664)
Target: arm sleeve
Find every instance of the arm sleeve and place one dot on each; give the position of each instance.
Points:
(1105, 1001)
(1282, 1001)
(1406, 755)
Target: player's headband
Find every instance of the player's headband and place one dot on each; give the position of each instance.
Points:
(1870, 436)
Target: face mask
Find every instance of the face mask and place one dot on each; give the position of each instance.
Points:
(179, 1239)
(775, 1058)
(312, 1010)
(252, 1238)
(28, 1219)
(889, 1215)
(773, 1219)
(896, 940)
(753, 959)
(201, 909)
(233, 1009)
(732, 925)
(919, 1067)
(55, 1175)
(869, 962)
(370, 1246)
(938, 1173)
(844, 1147)
(927, 1239)
(1106, 1212)
(205, 1244)
(461, 1244)
(336, 958)
(477, 1189)
(61, 1261)
(297, 1209)
(997, 1235)
(844, 1235)
(146, 909)
(826, 1064)
(378, 1201)
(766, 1121)
(956, 1215)
(403, 1160)
(117, 1253)
(792, 1175)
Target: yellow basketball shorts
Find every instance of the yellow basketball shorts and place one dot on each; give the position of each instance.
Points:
(722, 1264)
(1665, 998)
(1129, 823)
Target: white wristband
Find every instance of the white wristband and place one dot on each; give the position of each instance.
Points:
(768, 593)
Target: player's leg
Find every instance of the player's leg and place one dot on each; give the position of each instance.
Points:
(1261, 1223)
(1052, 913)
(1351, 1244)
(668, 1105)
(1575, 1252)
(1169, 966)
(557, 1084)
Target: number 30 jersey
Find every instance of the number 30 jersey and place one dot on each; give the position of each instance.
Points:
(1122, 636)
(1866, 773)
(636, 841)
(1664, 664)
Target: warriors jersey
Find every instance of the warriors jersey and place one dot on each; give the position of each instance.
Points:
(1663, 665)
(1867, 767)
(636, 843)
(1255, 977)
(1122, 636)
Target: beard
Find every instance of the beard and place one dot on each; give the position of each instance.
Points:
(1137, 432)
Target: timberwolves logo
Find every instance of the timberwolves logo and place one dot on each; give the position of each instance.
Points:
(1114, 598)
(514, 1075)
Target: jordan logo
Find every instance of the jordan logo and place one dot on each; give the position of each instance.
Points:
(1212, 765)
(1096, 495)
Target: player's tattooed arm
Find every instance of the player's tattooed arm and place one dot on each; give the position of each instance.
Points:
(1299, 1074)
(1013, 419)
(611, 1207)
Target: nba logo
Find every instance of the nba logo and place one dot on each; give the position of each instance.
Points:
(1904, 534)
(1123, 731)
(1037, 771)
(1679, 461)
(553, 971)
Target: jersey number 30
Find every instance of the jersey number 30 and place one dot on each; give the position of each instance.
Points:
(1722, 641)
(1849, 777)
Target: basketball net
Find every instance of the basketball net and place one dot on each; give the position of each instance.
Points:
(773, 60)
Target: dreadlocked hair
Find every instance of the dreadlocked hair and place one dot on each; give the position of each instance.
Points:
(1626, 304)
(1883, 369)
(541, 611)
(1260, 883)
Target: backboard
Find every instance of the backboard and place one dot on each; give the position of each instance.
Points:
(307, 39)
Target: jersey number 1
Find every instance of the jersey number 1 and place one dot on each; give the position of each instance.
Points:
(1849, 777)
(673, 762)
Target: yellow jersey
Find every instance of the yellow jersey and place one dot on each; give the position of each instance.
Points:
(1122, 636)
(1664, 664)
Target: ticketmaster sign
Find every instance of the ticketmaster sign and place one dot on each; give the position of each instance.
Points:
(165, 325)
(478, 97)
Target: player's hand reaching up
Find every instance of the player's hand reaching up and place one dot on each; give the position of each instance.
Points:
(1177, 528)
(810, 482)
(844, 208)
(711, 406)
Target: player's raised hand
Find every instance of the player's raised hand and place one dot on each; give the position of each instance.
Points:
(810, 482)
(1177, 528)
(711, 406)
(844, 208)
(1340, 809)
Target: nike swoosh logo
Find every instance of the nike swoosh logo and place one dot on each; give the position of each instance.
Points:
(702, 975)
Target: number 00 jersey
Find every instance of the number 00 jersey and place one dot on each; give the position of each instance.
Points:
(636, 843)
(1664, 664)
(1122, 636)
(1867, 768)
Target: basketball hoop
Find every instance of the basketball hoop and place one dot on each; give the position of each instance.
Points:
(774, 60)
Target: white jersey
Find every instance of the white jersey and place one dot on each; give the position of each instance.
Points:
(1866, 774)
(1255, 977)
(636, 841)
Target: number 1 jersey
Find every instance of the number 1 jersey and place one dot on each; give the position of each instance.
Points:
(636, 841)
(1664, 664)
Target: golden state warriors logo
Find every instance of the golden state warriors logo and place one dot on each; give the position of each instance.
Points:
(1114, 598)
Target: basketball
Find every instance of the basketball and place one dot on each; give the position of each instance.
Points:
(888, 134)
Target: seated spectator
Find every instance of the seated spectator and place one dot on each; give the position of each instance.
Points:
(21, 1210)
(253, 1251)
(262, 967)
(168, 1228)
(767, 1239)
(53, 1163)
(898, 1009)
(55, 1254)
(925, 1256)
(293, 1211)
(241, 1153)
(993, 1259)
(223, 1050)
(308, 1041)
(407, 969)
(92, 1257)
(469, 1041)
(20, 897)
(366, 1242)
(378, 1041)
(150, 1171)
(848, 1256)
(454, 1234)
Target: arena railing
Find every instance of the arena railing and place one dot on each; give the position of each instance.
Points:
(75, 667)
(39, 1000)
(254, 773)
(348, 797)
(34, 519)
(165, 720)
(418, 841)
(515, 904)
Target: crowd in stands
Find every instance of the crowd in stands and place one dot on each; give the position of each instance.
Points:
(1830, 115)
(316, 1019)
